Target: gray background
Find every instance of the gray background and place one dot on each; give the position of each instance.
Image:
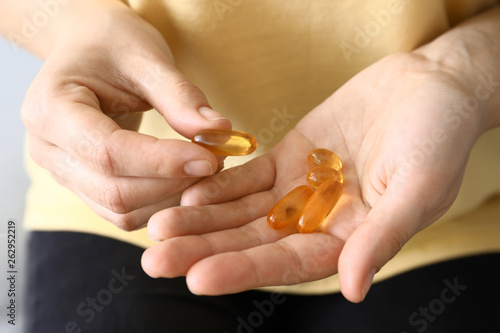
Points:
(17, 69)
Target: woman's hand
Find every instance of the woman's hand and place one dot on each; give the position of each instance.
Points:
(104, 66)
(404, 136)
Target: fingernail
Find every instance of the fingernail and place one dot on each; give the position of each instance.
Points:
(198, 168)
(152, 239)
(210, 114)
(368, 282)
(151, 236)
(220, 166)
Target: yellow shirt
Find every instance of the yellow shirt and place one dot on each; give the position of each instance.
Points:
(264, 64)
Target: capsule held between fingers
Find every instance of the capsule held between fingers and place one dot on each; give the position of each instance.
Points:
(318, 175)
(226, 143)
(324, 157)
(319, 205)
(286, 211)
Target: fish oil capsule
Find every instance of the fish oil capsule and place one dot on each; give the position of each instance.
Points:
(287, 210)
(226, 143)
(319, 205)
(318, 175)
(324, 157)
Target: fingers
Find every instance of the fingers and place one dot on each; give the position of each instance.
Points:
(95, 139)
(393, 220)
(254, 176)
(294, 259)
(197, 220)
(133, 220)
(244, 258)
(181, 102)
(175, 256)
(68, 112)
(119, 195)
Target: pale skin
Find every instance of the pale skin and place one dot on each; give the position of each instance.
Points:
(90, 73)
(404, 157)
(375, 122)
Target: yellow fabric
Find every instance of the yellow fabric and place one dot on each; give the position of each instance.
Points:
(264, 64)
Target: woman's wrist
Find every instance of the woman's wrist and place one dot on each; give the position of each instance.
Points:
(469, 52)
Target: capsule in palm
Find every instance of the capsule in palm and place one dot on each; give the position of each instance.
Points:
(318, 175)
(226, 143)
(319, 205)
(324, 157)
(287, 210)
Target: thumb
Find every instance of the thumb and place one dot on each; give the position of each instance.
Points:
(396, 216)
(183, 105)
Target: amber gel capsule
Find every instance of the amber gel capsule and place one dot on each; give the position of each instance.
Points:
(226, 143)
(287, 209)
(319, 205)
(324, 157)
(318, 175)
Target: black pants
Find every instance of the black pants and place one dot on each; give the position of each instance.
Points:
(86, 283)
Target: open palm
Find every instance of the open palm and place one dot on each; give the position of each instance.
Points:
(404, 156)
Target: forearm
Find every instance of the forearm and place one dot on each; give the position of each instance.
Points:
(36, 25)
(472, 51)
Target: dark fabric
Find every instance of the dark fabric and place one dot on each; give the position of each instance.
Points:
(86, 283)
